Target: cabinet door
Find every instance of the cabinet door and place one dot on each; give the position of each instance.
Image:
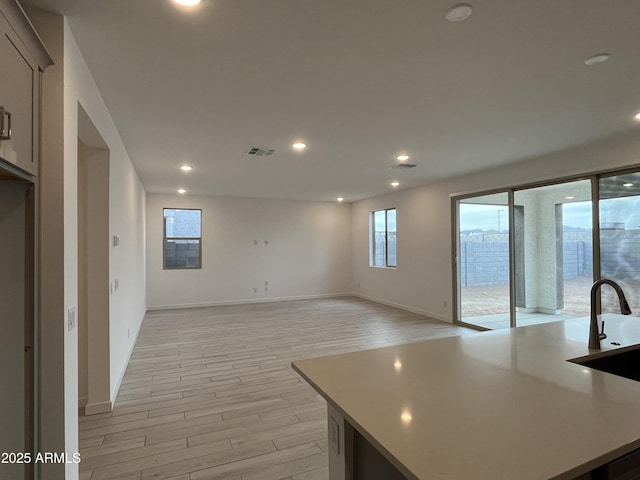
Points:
(17, 97)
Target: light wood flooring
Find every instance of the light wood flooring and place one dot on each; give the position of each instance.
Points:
(209, 393)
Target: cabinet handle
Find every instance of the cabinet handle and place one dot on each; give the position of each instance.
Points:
(5, 133)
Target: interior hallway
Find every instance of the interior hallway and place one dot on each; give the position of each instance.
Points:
(209, 393)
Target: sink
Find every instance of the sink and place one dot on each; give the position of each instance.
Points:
(625, 363)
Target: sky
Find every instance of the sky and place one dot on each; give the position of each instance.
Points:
(379, 219)
(483, 217)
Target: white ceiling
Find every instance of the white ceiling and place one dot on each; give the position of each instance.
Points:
(359, 81)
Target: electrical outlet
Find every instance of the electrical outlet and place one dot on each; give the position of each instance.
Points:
(116, 284)
(444, 304)
(71, 318)
(266, 284)
(255, 290)
(334, 435)
(116, 240)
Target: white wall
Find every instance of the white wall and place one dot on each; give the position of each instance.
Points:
(423, 280)
(126, 211)
(308, 251)
(67, 85)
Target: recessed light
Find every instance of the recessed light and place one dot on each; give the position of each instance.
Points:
(402, 158)
(339, 199)
(188, 3)
(598, 58)
(637, 116)
(406, 417)
(628, 184)
(299, 146)
(459, 12)
(186, 168)
(182, 191)
(395, 184)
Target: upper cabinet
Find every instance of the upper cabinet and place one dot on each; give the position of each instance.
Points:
(23, 57)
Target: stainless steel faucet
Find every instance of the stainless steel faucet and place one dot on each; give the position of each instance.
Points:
(594, 334)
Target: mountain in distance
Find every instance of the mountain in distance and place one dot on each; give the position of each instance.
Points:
(479, 231)
(569, 228)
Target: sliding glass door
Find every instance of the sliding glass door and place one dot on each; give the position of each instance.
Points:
(483, 260)
(530, 255)
(619, 214)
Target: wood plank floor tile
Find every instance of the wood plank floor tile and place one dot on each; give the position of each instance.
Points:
(255, 463)
(164, 462)
(90, 452)
(107, 430)
(134, 453)
(200, 422)
(217, 461)
(94, 423)
(323, 444)
(319, 474)
(195, 430)
(250, 432)
(91, 441)
(86, 475)
(210, 394)
(125, 476)
(312, 432)
(297, 466)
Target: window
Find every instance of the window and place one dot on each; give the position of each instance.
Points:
(182, 239)
(383, 238)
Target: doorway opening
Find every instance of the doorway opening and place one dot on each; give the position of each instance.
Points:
(94, 378)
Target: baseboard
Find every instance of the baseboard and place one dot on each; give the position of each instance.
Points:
(82, 403)
(96, 408)
(426, 313)
(244, 302)
(116, 389)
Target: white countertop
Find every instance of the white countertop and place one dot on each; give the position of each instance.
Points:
(496, 405)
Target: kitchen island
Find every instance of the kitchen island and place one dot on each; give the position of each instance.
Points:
(503, 404)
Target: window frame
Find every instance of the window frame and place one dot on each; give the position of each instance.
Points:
(372, 238)
(165, 239)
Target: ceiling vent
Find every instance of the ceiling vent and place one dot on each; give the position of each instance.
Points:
(260, 152)
(404, 165)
